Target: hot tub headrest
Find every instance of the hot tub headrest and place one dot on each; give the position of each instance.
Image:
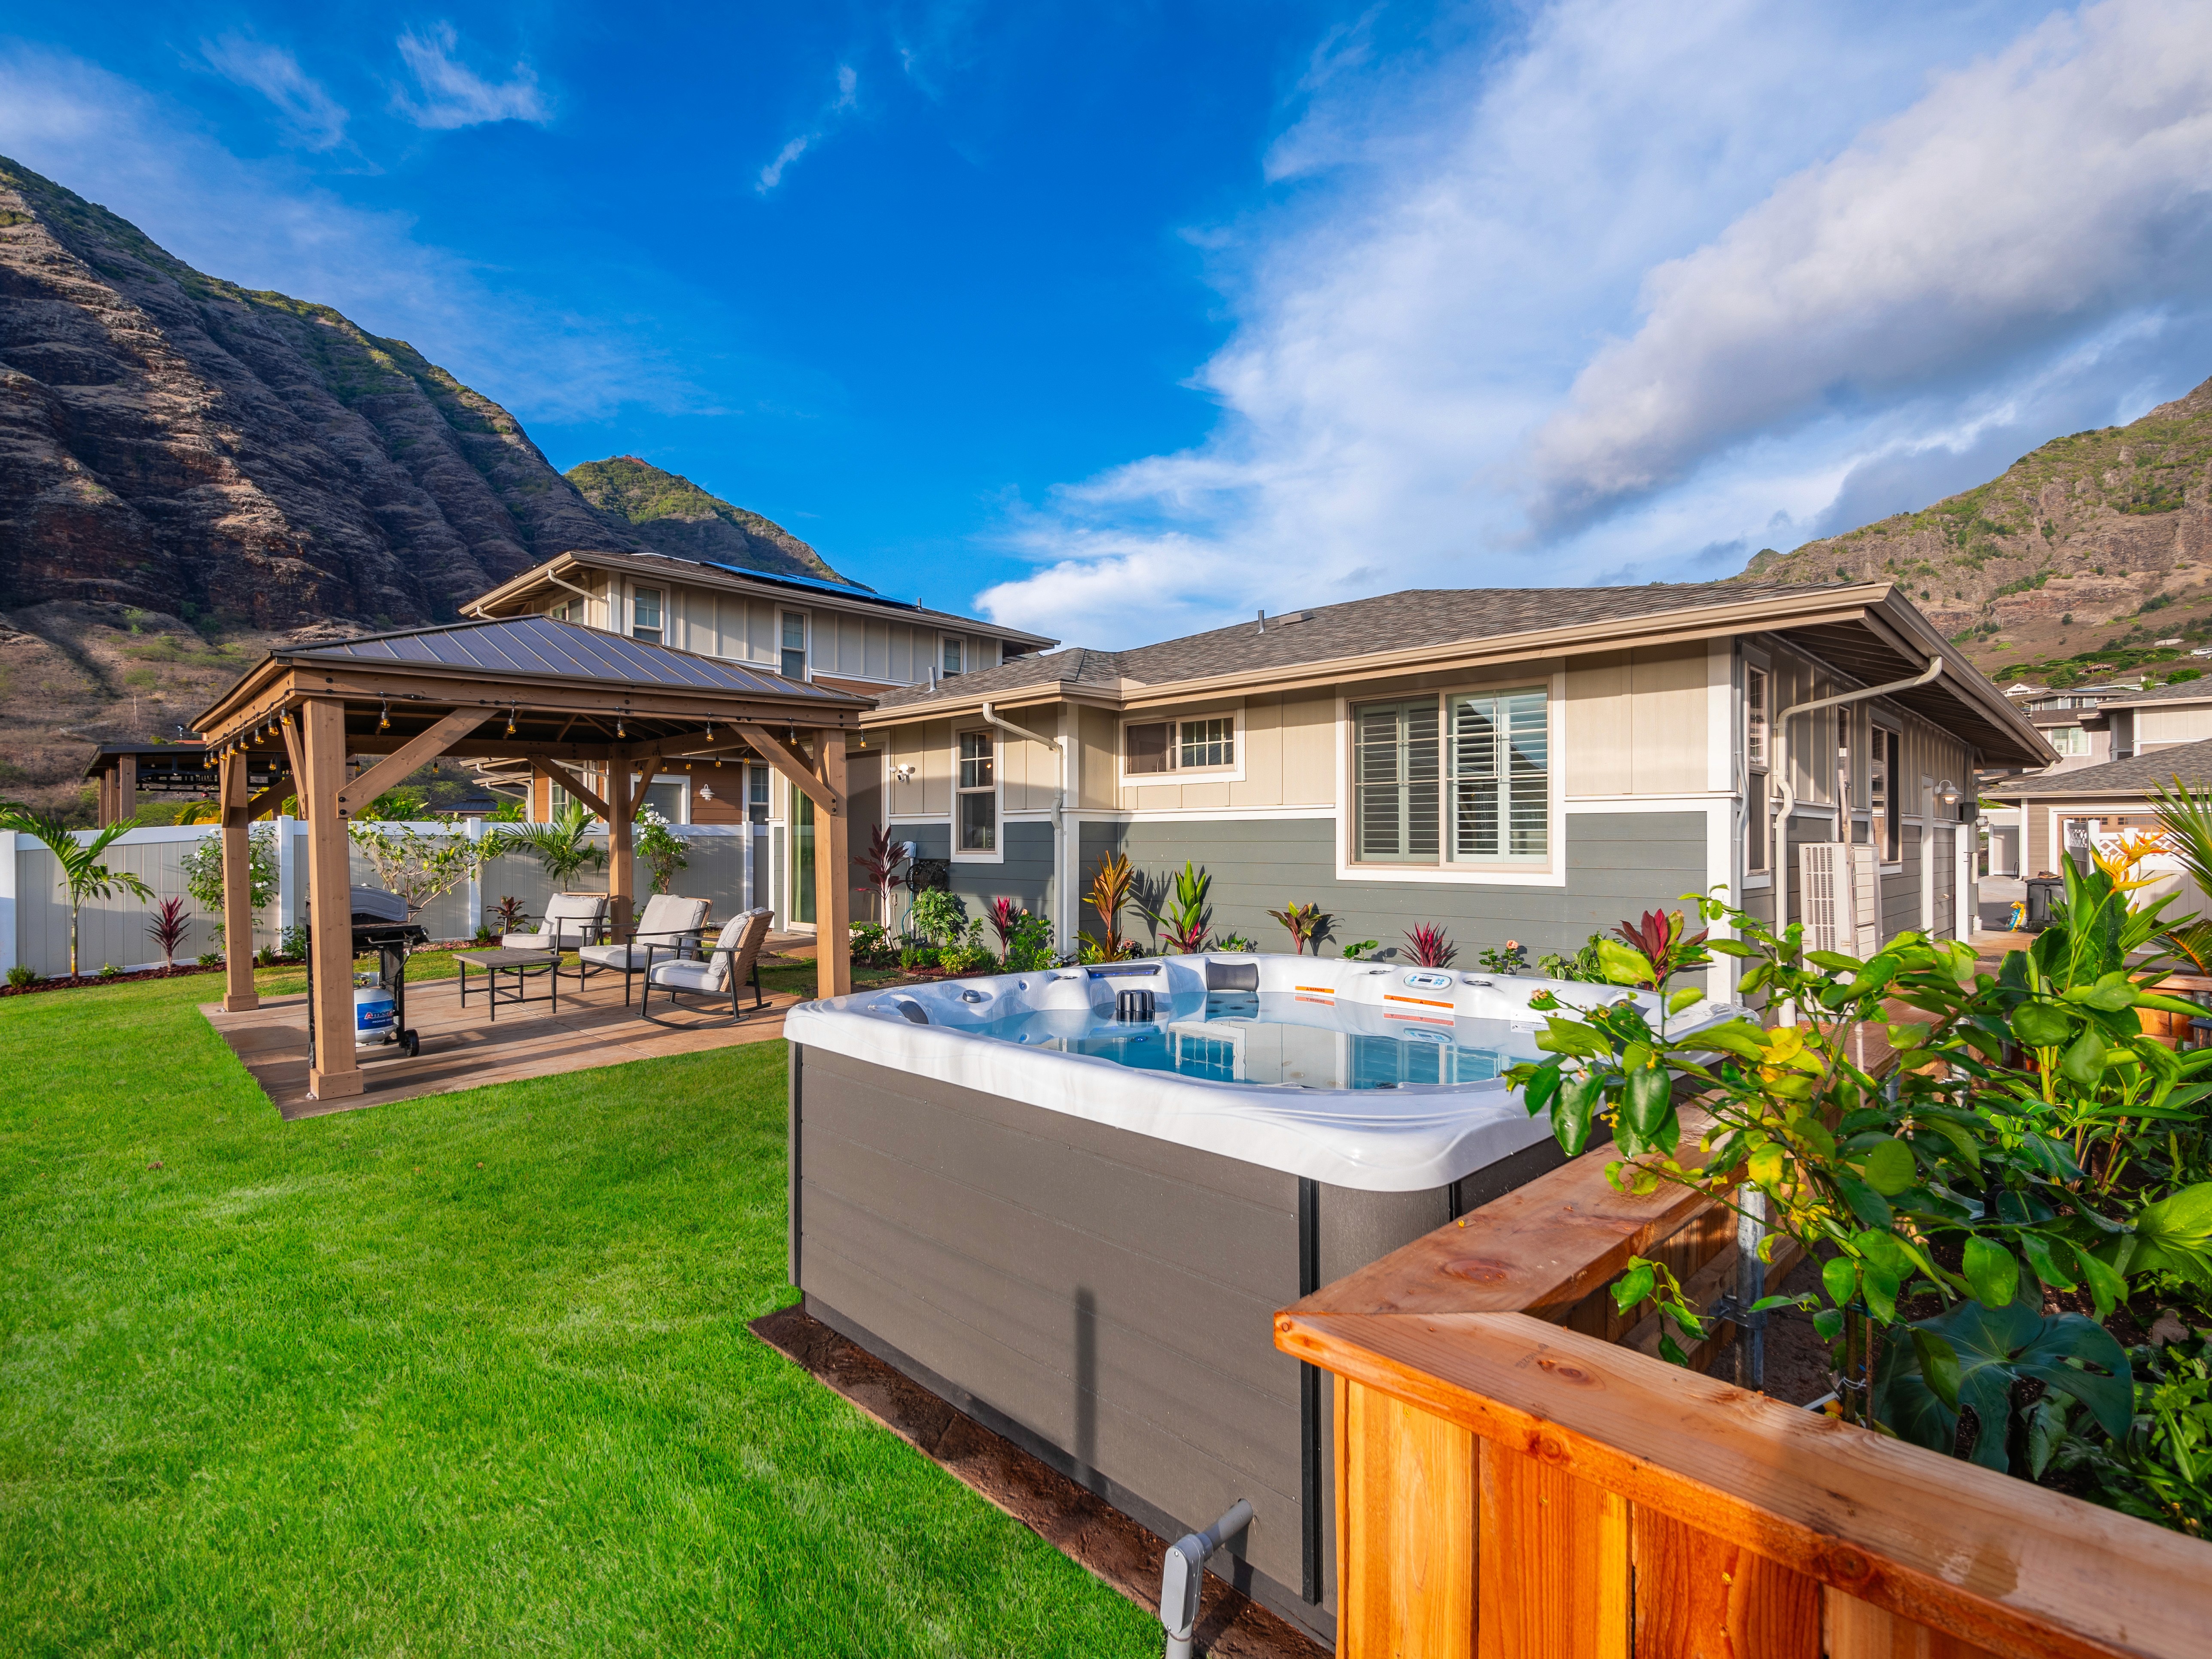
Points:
(1232, 975)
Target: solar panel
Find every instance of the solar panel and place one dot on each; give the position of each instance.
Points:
(847, 590)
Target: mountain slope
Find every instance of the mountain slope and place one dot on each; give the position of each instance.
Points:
(2095, 544)
(173, 442)
(670, 514)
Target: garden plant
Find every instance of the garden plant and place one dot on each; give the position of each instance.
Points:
(1185, 918)
(79, 864)
(1302, 922)
(2027, 1186)
(562, 847)
(1110, 886)
(660, 847)
(203, 872)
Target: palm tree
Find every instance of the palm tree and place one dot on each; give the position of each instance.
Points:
(562, 847)
(83, 876)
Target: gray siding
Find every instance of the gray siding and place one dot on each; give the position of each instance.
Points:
(1619, 864)
(1106, 1297)
(1025, 876)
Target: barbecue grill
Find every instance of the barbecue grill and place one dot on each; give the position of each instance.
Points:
(380, 924)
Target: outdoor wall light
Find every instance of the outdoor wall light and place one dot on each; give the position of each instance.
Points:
(1948, 793)
(903, 772)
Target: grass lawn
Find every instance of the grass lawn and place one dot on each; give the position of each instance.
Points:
(465, 1373)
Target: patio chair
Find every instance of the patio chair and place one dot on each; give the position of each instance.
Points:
(734, 959)
(667, 921)
(571, 921)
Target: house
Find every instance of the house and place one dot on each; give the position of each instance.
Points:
(837, 634)
(1530, 764)
(2066, 812)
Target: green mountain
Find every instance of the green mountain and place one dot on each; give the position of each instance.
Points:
(2090, 554)
(670, 514)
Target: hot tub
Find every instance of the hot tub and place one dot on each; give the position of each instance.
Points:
(1073, 1217)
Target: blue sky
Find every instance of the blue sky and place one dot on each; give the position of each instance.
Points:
(1119, 320)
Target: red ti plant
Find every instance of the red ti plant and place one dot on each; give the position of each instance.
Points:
(1432, 947)
(1301, 921)
(879, 864)
(1003, 915)
(1665, 950)
(166, 929)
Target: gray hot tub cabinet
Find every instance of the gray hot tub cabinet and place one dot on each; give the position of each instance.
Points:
(1101, 1298)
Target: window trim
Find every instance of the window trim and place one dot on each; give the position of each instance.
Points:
(1885, 732)
(660, 629)
(806, 643)
(1546, 674)
(998, 792)
(949, 645)
(1176, 776)
(1759, 798)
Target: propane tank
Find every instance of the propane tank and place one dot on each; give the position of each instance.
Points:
(375, 1016)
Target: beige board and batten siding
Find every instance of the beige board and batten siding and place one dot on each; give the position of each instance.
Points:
(2157, 728)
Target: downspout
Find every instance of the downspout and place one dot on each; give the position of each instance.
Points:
(1751, 1224)
(1062, 871)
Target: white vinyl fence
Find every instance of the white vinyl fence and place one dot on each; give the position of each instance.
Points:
(34, 917)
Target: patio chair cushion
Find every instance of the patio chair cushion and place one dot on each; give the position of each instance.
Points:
(735, 949)
(666, 921)
(570, 918)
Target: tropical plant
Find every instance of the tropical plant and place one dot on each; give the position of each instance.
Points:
(210, 958)
(1511, 960)
(167, 928)
(510, 915)
(203, 871)
(1301, 921)
(1004, 915)
(1357, 949)
(1582, 965)
(2013, 1140)
(109, 970)
(1109, 893)
(966, 954)
(79, 868)
(661, 848)
(871, 941)
(913, 955)
(402, 805)
(2160, 1468)
(292, 942)
(1238, 942)
(880, 864)
(938, 916)
(1431, 946)
(1185, 918)
(562, 847)
(507, 811)
(416, 866)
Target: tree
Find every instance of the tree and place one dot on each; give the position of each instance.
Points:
(203, 870)
(661, 848)
(82, 874)
(417, 867)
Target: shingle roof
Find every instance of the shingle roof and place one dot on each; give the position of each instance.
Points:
(2196, 691)
(2190, 762)
(547, 647)
(1393, 621)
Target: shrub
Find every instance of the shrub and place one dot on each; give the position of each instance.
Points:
(1582, 965)
(1238, 942)
(1030, 949)
(1356, 952)
(109, 970)
(966, 955)
(870, 942)
(938, 916)
(913, 955)
(210, 958)
(661, 848)
(293, 942)
(21, 975)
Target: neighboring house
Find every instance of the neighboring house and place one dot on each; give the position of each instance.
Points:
(2093, 726)
(1524, 764)
(2143, 722)
(805, 629)
(2065, 811)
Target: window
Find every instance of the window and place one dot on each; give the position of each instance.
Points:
(1207, 743)
(1395, 782)
(1882, 796)
(756, 793)
(1500, 757)
(950, 660)
(1008, 651)
(1759, 826)
(645, 615)
(794, 645)
(979, 794)
(2068, 739)
(1145, 748)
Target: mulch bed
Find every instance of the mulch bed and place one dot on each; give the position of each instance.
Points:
(1076, 1522)
(64, 982)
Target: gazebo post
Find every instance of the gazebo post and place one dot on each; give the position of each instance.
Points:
(126, 786)
(622, 863)
(237, 992)
(833, 880)
(332, 1070)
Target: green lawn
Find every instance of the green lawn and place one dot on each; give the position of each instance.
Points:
(466, 1373)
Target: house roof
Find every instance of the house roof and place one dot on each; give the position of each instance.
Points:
(1409, 631)
(711, 573)
(2196, 691)
(2189, 762)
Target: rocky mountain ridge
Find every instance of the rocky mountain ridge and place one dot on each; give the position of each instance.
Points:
(670, 514)
(2094, 544)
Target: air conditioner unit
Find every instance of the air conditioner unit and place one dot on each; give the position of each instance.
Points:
(1839, 884)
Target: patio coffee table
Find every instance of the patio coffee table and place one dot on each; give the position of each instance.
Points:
(504, 959)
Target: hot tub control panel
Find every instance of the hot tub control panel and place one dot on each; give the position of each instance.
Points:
(1429, 982)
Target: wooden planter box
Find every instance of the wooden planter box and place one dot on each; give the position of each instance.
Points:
(1516, 1479)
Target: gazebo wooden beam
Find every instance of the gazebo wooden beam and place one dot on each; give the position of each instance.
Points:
(239, 993)
(405, 761)
(833, 882)
(333, 1070)
(795, 767)
(569, 781)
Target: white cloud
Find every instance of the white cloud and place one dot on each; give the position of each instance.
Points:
(310, 114)
(2064, 178)
(455, 95)
(832, 112)
(1457, 236)
(264, 224)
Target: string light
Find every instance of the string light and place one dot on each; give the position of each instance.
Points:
(510, 719)
(383, 716)
(618, 725)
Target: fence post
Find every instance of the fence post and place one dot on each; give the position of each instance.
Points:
(8, 866)
(473, 828)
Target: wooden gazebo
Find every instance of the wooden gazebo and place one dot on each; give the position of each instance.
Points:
(556, 695)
